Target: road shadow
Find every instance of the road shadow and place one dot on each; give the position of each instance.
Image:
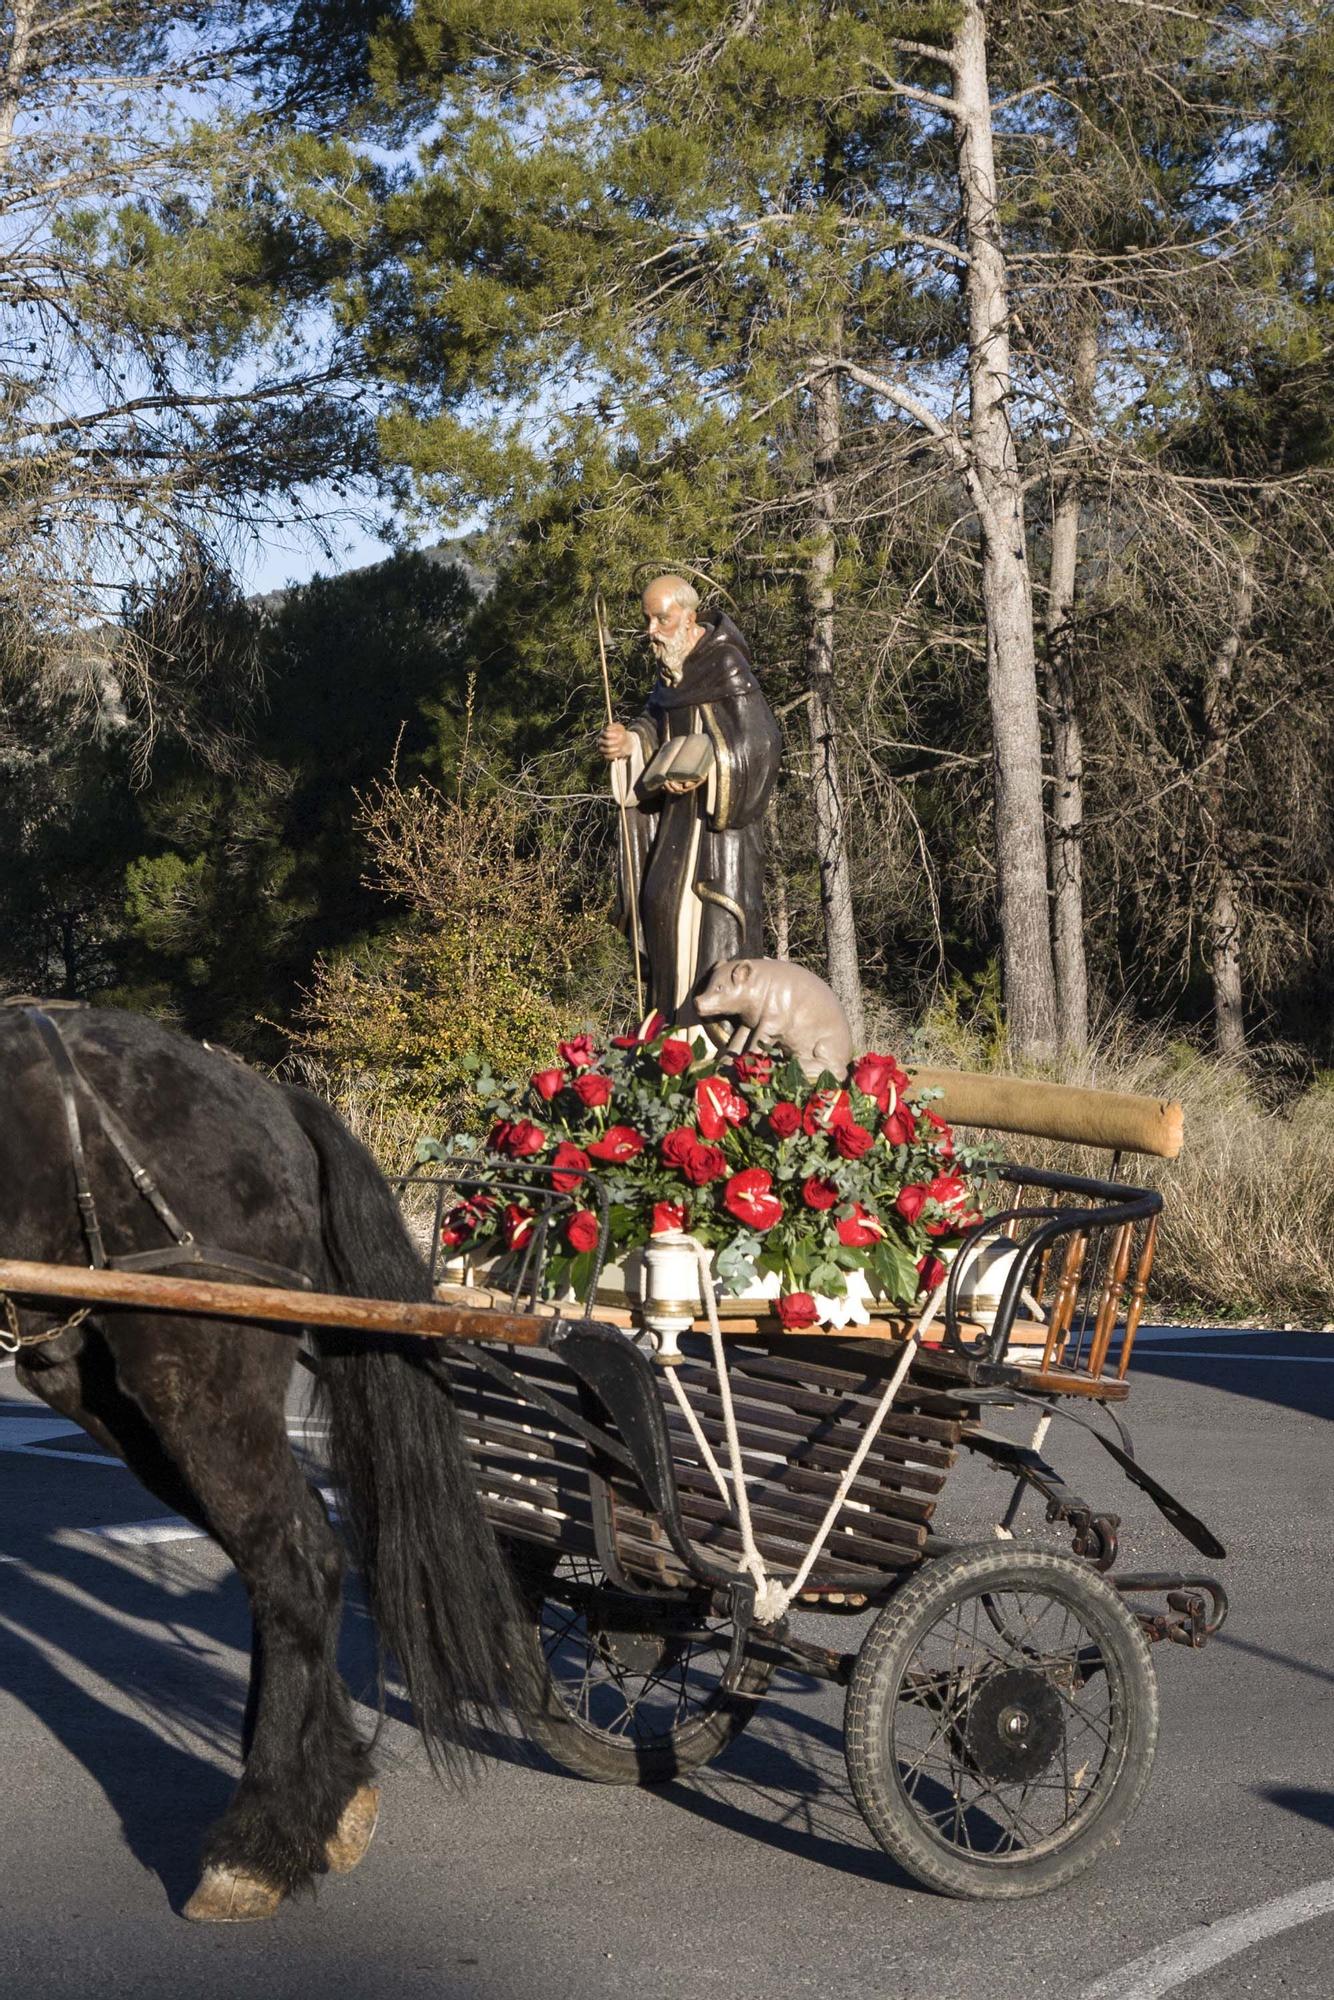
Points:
(1303, 1387)
(1307, 1800)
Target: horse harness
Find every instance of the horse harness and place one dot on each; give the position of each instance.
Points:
(182, 1251)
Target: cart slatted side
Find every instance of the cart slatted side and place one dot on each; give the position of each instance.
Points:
(799, 1424)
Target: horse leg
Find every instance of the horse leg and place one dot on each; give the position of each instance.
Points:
(215, 1403)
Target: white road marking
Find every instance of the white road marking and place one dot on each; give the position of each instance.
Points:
(140, 1534)
(1195, 1951)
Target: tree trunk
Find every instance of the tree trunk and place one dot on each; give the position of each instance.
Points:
(1026, 955)
(1220, 694)
(779, 916)
(826, 790)
(23, 17)
(1067, 743)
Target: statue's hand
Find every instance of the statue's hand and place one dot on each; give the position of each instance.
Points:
(679, 785)
(614, 741)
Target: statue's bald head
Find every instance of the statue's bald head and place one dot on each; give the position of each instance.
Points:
(670, 604)
(668, 590)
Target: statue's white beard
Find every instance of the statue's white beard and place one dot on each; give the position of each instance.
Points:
(672, 653)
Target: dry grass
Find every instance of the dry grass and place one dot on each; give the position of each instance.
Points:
(1248, 1219)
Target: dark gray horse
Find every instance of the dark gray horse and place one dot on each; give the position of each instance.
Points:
(266, 1173)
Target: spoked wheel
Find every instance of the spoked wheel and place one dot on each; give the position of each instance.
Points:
(1001, 1724)
(628, 1690)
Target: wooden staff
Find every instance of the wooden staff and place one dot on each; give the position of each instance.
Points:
(627, 844)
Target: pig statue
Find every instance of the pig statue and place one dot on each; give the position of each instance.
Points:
(783, 1006)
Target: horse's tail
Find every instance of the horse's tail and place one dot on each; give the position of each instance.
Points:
(438, 1586)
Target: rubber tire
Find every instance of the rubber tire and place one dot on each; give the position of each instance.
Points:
(881, 1663)
(609, 1760)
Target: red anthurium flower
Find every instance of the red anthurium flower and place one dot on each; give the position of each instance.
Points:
(784, 1120)
(518, 1225)
(748, 1197)
(465, 1219)
(818, 1193)
(931, 1272)
(852, 1140)
(546, 1082)
(754, 1069)
(592, 1088)
(618, 1142)
(571, 1163)
(651, 1027)
(675, 1056)
(878, 1076)
(859, 1229)
(717, 1106)
(578, 1053)
(911, 1201)
(944, 1140)
(797, 1309)
(667, 1215)
(947, 1189)
(582, 1230)
(677, 1147)
(625, 1041)
(825, 1111)
(705, 1164)
(900, 1128)
(524, 1139)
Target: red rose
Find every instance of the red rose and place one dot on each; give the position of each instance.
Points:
(675, 1056)
(754, 1069)
(784, 1120)
(618, 1142)
(947, 1189)
(825, 1111)
(677, 1147)
(900, 1128)
(705, 1164)
(859, 1229)
(749, 1197)
(852, 1140)
(524, 1140)
(583, 1230)
(911, 1201)
(592, 1088)
(944, 1141)
(667, 1215)
(578, 1053)
(818, 1193)
(931, 1272)
(546, 1082)
(498, 1138)
(518, 1226)
(572, 1162)
(797, 1309)
(717, 1106)
(465, 1219)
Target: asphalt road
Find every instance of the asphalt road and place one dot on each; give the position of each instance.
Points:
(122, 1657)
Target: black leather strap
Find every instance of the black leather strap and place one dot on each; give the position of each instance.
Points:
(67, 1076)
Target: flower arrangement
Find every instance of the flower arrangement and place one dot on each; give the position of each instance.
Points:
(806, 1186)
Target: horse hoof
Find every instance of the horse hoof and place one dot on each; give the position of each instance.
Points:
(226, 1896)
(355, 1830)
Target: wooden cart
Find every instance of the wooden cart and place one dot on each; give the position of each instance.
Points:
(672, 1523)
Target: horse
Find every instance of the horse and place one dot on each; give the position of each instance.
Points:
(123, 1142)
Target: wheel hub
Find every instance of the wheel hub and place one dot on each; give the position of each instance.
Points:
(1014, 1726)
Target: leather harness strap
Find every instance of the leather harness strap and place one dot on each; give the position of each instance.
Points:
(67, 1075)
(185, 1249)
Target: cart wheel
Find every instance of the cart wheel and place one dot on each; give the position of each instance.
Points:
(624, 1692)
(1001, 1723)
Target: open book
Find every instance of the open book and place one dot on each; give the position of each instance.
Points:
(680, 757)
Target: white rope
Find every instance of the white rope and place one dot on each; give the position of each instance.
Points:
(773, 1598)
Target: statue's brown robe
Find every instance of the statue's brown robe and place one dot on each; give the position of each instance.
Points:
(699, 856)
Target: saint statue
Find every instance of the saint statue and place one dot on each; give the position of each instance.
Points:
(695, 770)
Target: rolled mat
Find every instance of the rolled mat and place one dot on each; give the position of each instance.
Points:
(1112, 1119)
